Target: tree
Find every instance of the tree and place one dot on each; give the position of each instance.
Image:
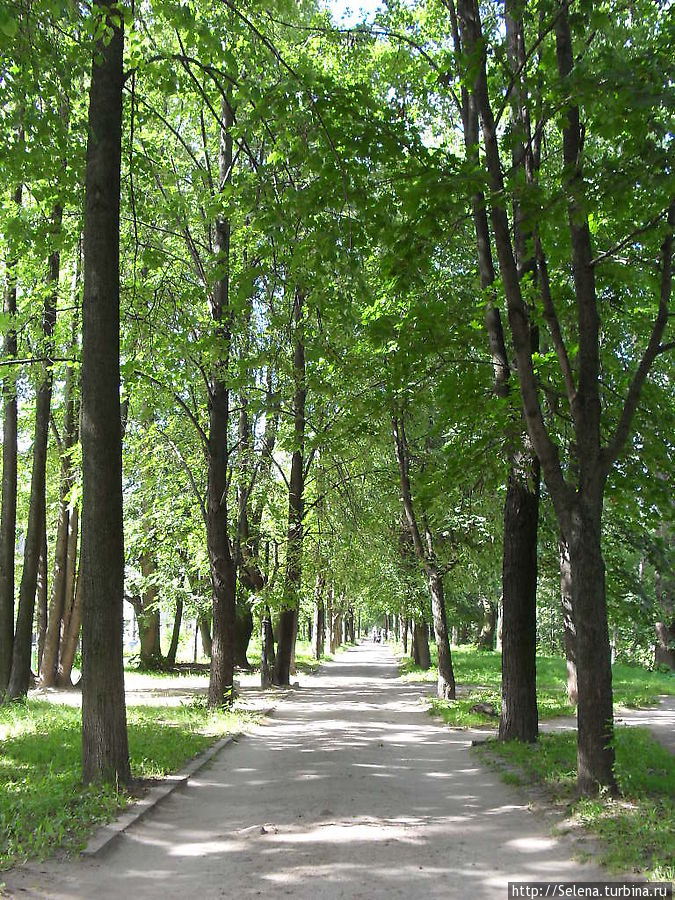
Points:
(105, 752)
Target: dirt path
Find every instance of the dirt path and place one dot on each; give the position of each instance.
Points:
(349, 791)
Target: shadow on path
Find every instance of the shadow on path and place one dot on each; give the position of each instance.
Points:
(350, 790)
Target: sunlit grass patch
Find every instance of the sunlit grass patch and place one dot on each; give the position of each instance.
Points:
(638, 828)
(43, 804)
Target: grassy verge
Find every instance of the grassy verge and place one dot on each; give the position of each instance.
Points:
(637, 828)
(43, 804)
(481, 671)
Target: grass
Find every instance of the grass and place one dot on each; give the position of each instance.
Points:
(43, 804)
(638, 828)
(481, 671)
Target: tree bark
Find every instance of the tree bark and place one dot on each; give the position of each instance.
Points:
(425, 554)
(170, 660)
(205, 635)
(569, 625)
(72, 618)
(519, 718)
(243, 632)
(519, 550)
(105, 751)
(42, 593)
(319, 629)
(9, 481)
(21, 651)
(147, 616)
(223, 573)
(421, 653)
(288, 617)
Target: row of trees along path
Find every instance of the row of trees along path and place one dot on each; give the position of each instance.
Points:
(371, 278)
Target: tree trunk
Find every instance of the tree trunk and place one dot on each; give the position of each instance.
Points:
(223, 574)
(446, 675)
(105, 750)
(170, 660)
(147, 616)
(569, 626)
(205, 634)
(42, 592)
(242, 637)
(404, 633)
(664, 650)
(421, 656)
(267, 651)
(35, 536)
(319, 616)
(519, 718)
(9, 482)
(288, 617)
(486, 638)
(595, 714)
(70, 639)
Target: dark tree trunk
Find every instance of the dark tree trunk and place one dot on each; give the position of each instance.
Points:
(486, 637)
(569, 625)
(664, 650)
(223, 574)
(267, 650)
(105, 750)
(519, 551)
(205, 634)
(70, 639)
(319, 617)
(42, 592)
(404, 633)
(446, 675)
(35, 535)
(519, 716)
(242, 637)
(9, 483)
(595, 714)
(425, 554)
(170, 660)
(147, 617)
(288, 617)
(421, 653)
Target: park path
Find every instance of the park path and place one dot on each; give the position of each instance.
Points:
(350, 790)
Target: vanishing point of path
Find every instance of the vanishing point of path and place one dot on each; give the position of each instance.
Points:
(350, 790)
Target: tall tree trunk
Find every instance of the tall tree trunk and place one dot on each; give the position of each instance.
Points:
(9, 481)
(223, 573)
(170, 660)
(72, 616)
(70, 640)
(319, 630)
(42, 592)
(147, 616)
(288, 617)
(569, 626)
(404, 633)
(521, 504)
(105, 750)
(422, 656)
(425, 553)
(267, 656)
(19, 679)
(519, 718)
(243, 632)
(205, 634)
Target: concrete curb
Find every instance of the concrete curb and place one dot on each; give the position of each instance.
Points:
(106, 834)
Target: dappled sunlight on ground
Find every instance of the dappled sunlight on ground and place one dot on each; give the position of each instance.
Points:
(349, 790)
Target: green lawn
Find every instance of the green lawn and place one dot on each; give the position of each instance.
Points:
(633, 685)
(43, 804)
(638, 828)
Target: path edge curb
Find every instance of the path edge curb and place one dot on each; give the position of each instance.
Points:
(104, 836)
